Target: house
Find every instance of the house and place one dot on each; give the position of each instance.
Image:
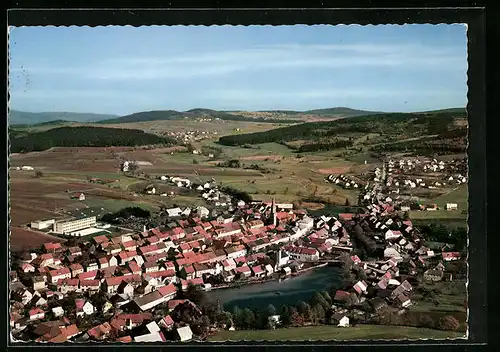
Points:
(56, 275)
(340, 319)
(258, 271)
(166, 322)
(83, 307)
(58, 311)
(184, 333)
(450, 256)
(76, 269)
(433, 275)
(100, 332)
(149, 300)
(168, 292)
(151, 337)
(23, 295)
(451, 206)
(360, 287)
(126, 288)
(27, 268)
(36, 314)
(78, 196)
(244, 271)
(378, 304)
(402, 301)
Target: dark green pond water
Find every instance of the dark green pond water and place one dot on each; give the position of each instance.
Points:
(292, 290)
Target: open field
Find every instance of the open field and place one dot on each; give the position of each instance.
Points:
(222, 127)
(22, 238)
(360, 332)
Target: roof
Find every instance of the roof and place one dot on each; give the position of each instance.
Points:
(167, 319)
(185, 333)
(146, 299)
(167, 290)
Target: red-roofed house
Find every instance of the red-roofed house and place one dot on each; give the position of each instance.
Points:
(76, 269)
(52, 247)
(90, 285)
(346, 216)
(168, 292)
(89, 275)
(450, 256)
(360, 287)
(129, 246)
(166, 322)
(100, 239)
(100, 332)
(258, 271)
(36, 314)
(243, 270)
(135, 269)
(27, 268)
(56, 275)
(197, 281)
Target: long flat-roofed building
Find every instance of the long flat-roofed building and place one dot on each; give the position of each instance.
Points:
(72, 225)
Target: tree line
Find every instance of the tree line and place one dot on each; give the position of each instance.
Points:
(84, 136)
(314, 147)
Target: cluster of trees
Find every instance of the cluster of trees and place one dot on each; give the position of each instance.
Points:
(238, 194)
(428, 148)
(84, 136)
(436, 232)
(126, 213)
(207, 150)
(234, 163)
(325, 146)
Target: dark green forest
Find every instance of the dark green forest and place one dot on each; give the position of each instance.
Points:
(82, 136)
(396, 125)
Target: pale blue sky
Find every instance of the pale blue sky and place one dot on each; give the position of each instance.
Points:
(121, 70)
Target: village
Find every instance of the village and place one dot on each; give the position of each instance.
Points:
(130, 287)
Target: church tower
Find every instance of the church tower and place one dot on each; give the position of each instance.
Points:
(273, 212)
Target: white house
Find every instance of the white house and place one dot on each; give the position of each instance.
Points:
(185, 333)
(174, 212)
(58, 311)
(341, 320)
(451, 206)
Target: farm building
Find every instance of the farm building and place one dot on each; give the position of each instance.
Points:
(451, 206)
(78, 196)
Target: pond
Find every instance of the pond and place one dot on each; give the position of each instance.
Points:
(292, 290)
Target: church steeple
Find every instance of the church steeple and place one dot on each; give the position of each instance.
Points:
(273, 211)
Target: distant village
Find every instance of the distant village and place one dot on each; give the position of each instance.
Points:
(132, 286)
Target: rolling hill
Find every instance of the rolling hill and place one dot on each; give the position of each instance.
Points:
(82, 136)
(445, 131)
(190, 114)
(17, 117)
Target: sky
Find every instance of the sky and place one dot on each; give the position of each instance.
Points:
(122, 70)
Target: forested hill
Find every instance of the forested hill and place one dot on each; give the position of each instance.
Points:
(82, 136)
(386, 127)
(165, 115)
(16, 117)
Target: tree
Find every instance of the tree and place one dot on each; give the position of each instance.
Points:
(248, 318)
(319, 299)
(271, 310)
(194, 294)
(195, 161)
(327, 296)
(285, 316)
(295, 318)
(449, 323)
(305, 310)
(318, 313)
(426, 321)
(347, 203)
(406, 216)
(38, 174)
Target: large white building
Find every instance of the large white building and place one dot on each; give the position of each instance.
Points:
(42, 224)
(74, 224)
